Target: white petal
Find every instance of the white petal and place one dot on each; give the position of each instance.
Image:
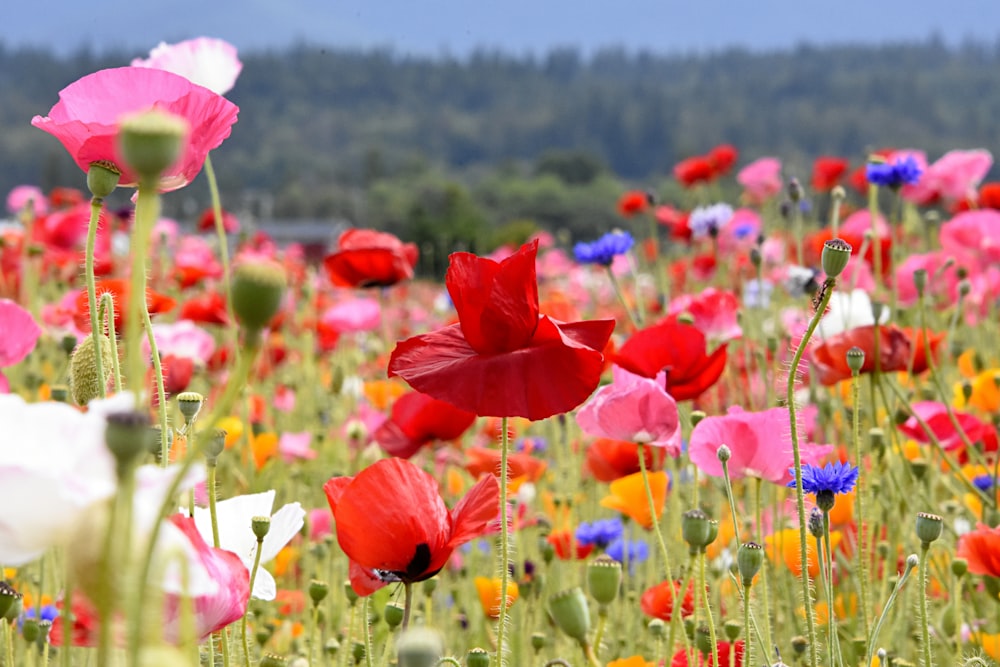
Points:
(285, 524)
(264, 587)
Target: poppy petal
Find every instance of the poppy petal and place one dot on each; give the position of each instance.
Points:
(472, 515)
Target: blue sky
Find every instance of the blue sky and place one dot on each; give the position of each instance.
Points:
(434, 27)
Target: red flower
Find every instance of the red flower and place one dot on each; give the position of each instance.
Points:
(919, 346)
(981, 547)
(827, 172)
(609, 459)
(566, 546)
(417, 420)
(694, 170)
(207, 308)
(394, 526)
(366, 258)
(119, 290)
(503, 358)
(177, 372)
(722, 158)
(829, 358)
(989, 195)
(206, 223)
(680, 350)
(722, 652)
(632, 203)
(658, 601)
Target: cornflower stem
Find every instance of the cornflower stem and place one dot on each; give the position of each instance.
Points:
(147, 211)
(161, 394)
(501, 656)
(243, 623)
(925, 637)
(632, 317)
(860, 495)
(893, 251)
(732, 501)
(220, 231)
(703, 591)
(108, 311)
(765, 593)
(800, 502)
(827, 567)
(885, 611)
(95, 329)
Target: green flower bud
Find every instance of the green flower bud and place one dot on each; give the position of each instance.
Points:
(964, 287)
(794, 190)
(257, 289)
(150, 142)
(15, 609)
(920, 281)
(703, 640)
(60, 393)
(855, 359)
(697, 416)
(959, 566)
(429, 586)
(799, 644)
(318, 590)
(919, 468)
(836, 253)
(749, 560)
(657, 627)
(349, 593)
(419, 647)
(724, 453)
(685, 318)
(358, 652)
(7, 597)
(30, 630)
(331, 647)
(213, 444)
(190, 403)
(393, 614)
(477, 657)
(538, 641)
(928, 527)
(261, 525)
(912, 561)
(696, 529)
(732, 630)
(815, 523)
(755, 257)
(569, 611)
(127, 436)
(102, 178)
(604, 577)
(838, 193)
(84, 384)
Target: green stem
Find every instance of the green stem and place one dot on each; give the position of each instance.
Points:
(602, 621)
(862, 554)
(365, 612)
(826, 561)
(147, 211)
(748, 647)
(732, 501)
(220, 231)
(925, 637)
(632, 317)
(407, 604)
(161, 394)
(655, 520)
(243, 623)
(873, 639)
(800, 503)
(703, 588)
(212, 467)
(108, 313)
(95, 329)
(501, 657)
(765, 593)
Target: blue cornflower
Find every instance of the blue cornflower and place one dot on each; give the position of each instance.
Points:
(826, 482)
(600, 533)
(638, 551)
(604, 250)
(531, 444)
(709, 220)
(896, 174)
(984, 482)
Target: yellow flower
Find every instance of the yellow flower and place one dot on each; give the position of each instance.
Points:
(489, 594)
(990, 644)
(633, 661)
(985, 391)
(383, 393)
(233, 428)
(628, 496)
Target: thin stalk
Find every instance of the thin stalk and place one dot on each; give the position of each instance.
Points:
(408, 604)
(748, 648)
(827, 567)
(703, 588)
(108, 311)
(501, 657)
(925, 637)
(95, 329)
(243, 623)
(860, 495)
(365, 612)
(653, 518)
(732, 501)
(161, 394)
(147, 212)
(765, 593)
(910, 564)
(220, 231)
(632, 317)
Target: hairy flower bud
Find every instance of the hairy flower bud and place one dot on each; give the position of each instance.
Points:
(152, 141)
(84, 384)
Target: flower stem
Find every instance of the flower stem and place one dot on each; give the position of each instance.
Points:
(800, 502)
(732, 501)
(632, 317)
(748, 648)
(161, 394)
(501, 657)
(366, 622)
(147, 211)
(108, 312)
(407, 604)
(885, 610)
(243, 623)
(95, 329)
(220, 230)
(925, 637)
(654, 520)
(860, 494)
(703, 588)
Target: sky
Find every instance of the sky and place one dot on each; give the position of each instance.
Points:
(457, 27)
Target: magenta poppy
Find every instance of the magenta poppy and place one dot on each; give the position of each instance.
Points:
(504, 358)
(88, 113)
(394, 526)
(367, 258)
(417, 420)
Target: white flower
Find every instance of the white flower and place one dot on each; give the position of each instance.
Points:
(849, 311)
(208, 62)
(235, 533)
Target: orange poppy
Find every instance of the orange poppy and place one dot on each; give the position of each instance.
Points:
(628, 496)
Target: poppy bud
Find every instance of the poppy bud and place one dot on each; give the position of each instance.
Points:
(836, 253)
(703, 640)
(30, 630)
(127, 436)
(959, 566)
(732, 630)
(60, 393)
(318, 590)
(912, 561)
(838, 193)
(274, 660)
(919, 468)
(749, 559)
(697, 416)
(261, 525)
(478, 657)
(7, 597)
(928, 528)
(724, 453)
(419, 647)
(964, 287)
(349, 593)
(794, 190)
(876, 439)
(189, 403)
(257, 288)
(16, 607)
(538, 641)
(920, 281)
(393, 614)
(84, 384)
(755, 257)
(604, 577)
(102, 178)
(855, 359)
(696, 529)
(568, 610)
(151, 141)
(331, 647)
(657, 627)
(800, 644)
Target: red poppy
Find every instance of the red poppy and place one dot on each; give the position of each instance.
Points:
(658, 601)
(566, 546)
(981, 548)
(394, 526)
(504, 358)
(827, 172)
(680, 350)
(829, 358)
(677, 221)
(919, 346)
(206, 222)
(814, 242)
(609, 459)
(61, 197)
(482, 461)
(119, 290)
(723, 649)
(633, 203)
(989, 195)
(694, 170)
(177, 372)
(367, 258)
(86, 623)
(722, 158)
(206, 308)
(417, 420)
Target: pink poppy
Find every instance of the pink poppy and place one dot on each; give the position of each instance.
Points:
(21, 196)
(714, 313)
(741, 232)
(633, 409)
(283, 399)
(353, 315)
(320, 523)
(208, 62)
(295, 446)
(89, 111)
(194, 260)
(183, 339)
(761, 179)
(760, 442)
(18, 333)
(935, 415)
(859, 223)
(973, 235)
(954, 177)
(942, 281)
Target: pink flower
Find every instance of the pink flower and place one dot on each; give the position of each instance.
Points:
(633, 409)
(973, 235)
(208, 62)
(18, 333)
(284, 399)
(714, 313)
(183, 339)
(760, 443)
(761, 179)
(295, 446)
(954, 177)
(88, 113)
(353, 315)
(941, 281)
(935, 415)
(22, 195)
(320, 523)
(860, 222)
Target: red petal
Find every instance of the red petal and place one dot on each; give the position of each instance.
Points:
(474, 513)
(703, 378)
(418, 419)
(363, 580)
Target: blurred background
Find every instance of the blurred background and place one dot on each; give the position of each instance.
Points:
(485, 120)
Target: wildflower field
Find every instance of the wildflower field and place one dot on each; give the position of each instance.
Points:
(748, 430)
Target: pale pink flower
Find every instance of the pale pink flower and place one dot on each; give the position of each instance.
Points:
(18, 333)
(714, 313)
(320, 523)
(89, 111)
(760, 444)
(761, 179)
(633, 409)
(954, 177)
(208, 62)
(284, 399)
(353, 315)
(19, 198)
(940, 281)
(183, 339)
(860, 222)
(296, 446)
(973, 236)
